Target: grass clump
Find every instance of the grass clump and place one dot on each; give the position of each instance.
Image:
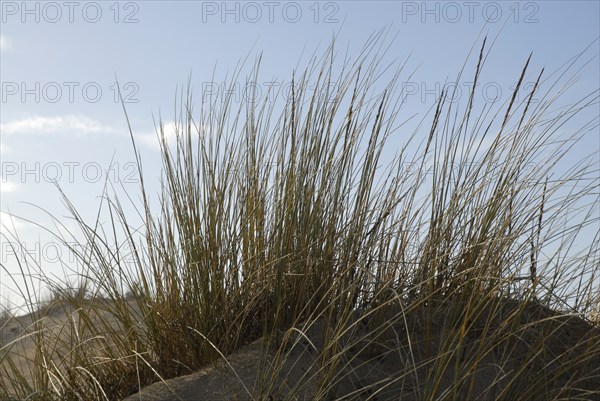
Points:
(278, 221)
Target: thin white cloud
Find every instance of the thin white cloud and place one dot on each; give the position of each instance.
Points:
(170, 132)
(8, 221)
(61, 125)
(4, 149)
(6, 186)
(152, 140)
(5, 43)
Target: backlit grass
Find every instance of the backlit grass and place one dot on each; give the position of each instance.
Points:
(282, 214)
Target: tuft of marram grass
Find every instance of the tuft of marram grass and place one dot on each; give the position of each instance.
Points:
(277, 216)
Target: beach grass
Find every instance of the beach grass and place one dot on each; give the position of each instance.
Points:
(278, 215)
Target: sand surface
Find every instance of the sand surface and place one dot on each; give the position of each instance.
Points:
(395, 364)
(386, 368)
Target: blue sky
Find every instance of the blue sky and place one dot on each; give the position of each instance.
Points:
(60, 117)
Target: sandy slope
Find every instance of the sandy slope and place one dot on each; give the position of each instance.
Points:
(395, 364)
(386, 368)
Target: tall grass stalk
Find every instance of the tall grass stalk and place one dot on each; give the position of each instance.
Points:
(279, 217)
